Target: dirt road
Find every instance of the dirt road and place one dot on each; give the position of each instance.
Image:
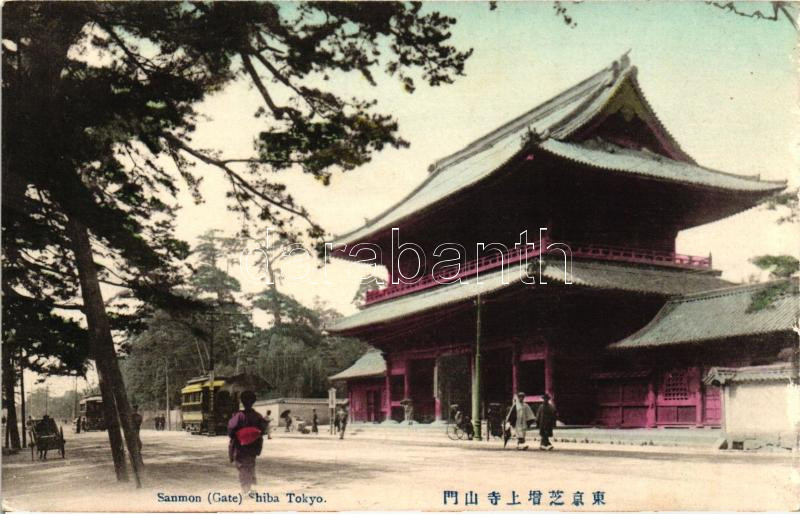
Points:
(323, 473)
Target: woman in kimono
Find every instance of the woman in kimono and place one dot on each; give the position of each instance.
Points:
(245, 430)
(519, 416)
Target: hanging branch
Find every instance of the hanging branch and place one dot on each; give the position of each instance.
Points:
(778, 9)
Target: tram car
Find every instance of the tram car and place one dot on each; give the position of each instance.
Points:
(90, 414)
(199, 416)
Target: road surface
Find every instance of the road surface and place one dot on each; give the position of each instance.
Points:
(304, 472)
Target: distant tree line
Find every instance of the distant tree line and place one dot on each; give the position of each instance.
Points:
(293, 356)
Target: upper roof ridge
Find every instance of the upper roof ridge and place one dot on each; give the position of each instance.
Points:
(603, 79)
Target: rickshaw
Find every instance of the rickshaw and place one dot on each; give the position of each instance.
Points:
(45, 436)
(494, 421)
(461, 426)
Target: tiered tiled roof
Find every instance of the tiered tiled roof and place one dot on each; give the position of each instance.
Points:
(660, 281)
(550, 127)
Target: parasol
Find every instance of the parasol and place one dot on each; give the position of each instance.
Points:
(506, 433)
(285, 414)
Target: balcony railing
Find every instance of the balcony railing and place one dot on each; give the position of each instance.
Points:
(654, 257)
(517, 254)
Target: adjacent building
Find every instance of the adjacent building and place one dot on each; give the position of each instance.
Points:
(366, 392)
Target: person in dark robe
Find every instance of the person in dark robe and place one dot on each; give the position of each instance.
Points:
(136, 425)
(314, 421)
(341, 418)
(242, 451)
(546, 420)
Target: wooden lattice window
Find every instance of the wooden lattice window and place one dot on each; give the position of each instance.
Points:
(676, 386)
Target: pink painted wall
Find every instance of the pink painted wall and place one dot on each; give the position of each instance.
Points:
(367, 399)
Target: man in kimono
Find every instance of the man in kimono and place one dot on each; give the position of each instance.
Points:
(268, 419)
(546, 420)
(341, 417)
(245, 430)
(519, 416)
(136, 425)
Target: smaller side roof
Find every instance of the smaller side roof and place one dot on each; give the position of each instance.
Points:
(371, 364)
(720, 314)
(771, 373)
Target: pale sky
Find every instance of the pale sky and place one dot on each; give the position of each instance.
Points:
(724, 86)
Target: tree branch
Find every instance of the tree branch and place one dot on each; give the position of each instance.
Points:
(248, 66)
(243, 183)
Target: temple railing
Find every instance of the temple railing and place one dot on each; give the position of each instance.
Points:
(654, 257)
(495, 260)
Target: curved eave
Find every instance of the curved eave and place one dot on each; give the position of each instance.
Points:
(587, 274)
(656, 167)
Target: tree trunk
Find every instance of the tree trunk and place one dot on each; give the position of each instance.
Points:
(112, 427)
(9, 381)
(112, 387)
(273, 287)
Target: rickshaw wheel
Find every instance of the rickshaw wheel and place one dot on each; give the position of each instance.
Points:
(452, 432)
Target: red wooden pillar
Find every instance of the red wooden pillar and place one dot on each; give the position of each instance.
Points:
(407, 380)
(651, 402)
(515, 368)
(388, 389)
(351, 403)
(548, 368)
(696, 391)
(437, 403)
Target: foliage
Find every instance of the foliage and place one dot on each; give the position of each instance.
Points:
(99, 94)
(766, 297)
(294, 355)
(780, 267)
(57, 407)
(789, 200)
(360, 297)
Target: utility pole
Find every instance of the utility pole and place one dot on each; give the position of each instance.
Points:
(46, 396)
(23, 421)
(212, 418)
(476, 372)
(166, 380)
(75, 398)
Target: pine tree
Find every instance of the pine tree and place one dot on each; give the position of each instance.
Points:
(97, 93)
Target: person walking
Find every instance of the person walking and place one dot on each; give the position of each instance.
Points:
(519, 416)
(546, 420)
(246, 429)
(268, 420)
(136, 425)
(314, 421)
(341, 418)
